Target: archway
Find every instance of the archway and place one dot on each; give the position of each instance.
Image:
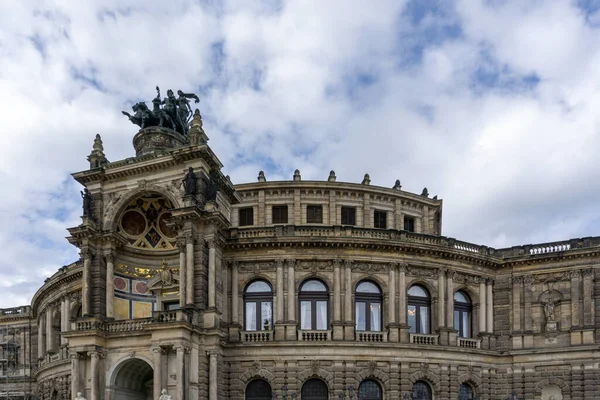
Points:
(315, 389)
(133, 381)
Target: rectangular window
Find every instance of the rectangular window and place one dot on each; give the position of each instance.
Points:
(375, 317)
(246, 216)
(305, 315)
(267, 315)
(379, 219)
(411, 319)
(171, 305)
(348, 215)
(424, 320)
(280, 214)
(314, 214)
(322, 315)
(409, 223)
(250, 316)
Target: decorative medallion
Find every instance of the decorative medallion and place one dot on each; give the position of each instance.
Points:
(144, 223)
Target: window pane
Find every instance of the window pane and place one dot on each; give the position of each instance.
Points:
(348, 216)
(305, 315)
(460, 297)
(313, 286)
(466, 324)
(412, 318)
(367, 287)
(267, 314)
(361, 317)
(456, 319)
(314, 214)
(250, 316)
(465, 392)
(280, 214)
(417, 291)
(375, 317)
(258, 286)
(322, 315)
(424, 314)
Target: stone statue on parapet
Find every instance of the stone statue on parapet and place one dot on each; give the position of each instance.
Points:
(87, 202)
(164, 395)
(175, 114)
(212, 185)
(79, 397)
(189, 182)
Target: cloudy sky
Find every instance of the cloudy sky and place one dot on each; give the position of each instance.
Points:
(493, 105)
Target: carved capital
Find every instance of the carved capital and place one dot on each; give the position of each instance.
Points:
(528, 279)
(211, 243)
(86, 253)
(348, 263)
(392, 266)
(291, 262)
(450, 274)
(279, 263)
(189, 238)
(181, 244)
(588, 272)
(109, 256)
(575, 274)
(336, 263)
(402, 267)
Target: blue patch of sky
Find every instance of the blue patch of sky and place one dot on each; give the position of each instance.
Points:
(431, 23)
(38, 43)
(87, 77)
(492, 75)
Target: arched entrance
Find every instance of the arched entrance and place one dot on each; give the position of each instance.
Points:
(133, 381)
(315, 389)
(259, 389)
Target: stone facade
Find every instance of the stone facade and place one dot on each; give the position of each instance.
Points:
(161, 297)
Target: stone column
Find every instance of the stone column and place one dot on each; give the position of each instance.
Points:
(182, 272)
(482, 307)
(575, 295)
(404, 330)
(349, 324)
(279, 307)
(110, 284)
(213, 373)
(392, 297)
(516, 303)
(41, 343)
(442, 299)
(49, 330)
(450, 303)
(63, 313)
(588, 298)
(527, 280)
(337, 292)
(234, 328)
(180, 376)
(189, 279)
(86, 255)
(94, 357)
(490, 306)
(158, 371)
(291, 291)
(212, 274)
(75, 374)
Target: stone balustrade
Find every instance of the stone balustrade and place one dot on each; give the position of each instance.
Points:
(128, 325)
(256, 336)
(314, 336)
(469, 343)
(371, 337)
(171, 316)
(427, 340)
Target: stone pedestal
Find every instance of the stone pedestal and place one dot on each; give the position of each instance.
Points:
(338, 330)
(290, 330)
(447, 336)
(393, 333)
(279, 333)
(211, 318)
(234, 333)
(349, 331)
(156, 139)
(404, 333)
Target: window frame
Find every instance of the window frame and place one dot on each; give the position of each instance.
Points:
(313, 297)
(463, 308)
(368, 299)
(256, 389)
(379, 216)
(424, 384)
(244, 210)
(281, 211)
(312, 219)
(353, 215)
(418, 302)
(259, 298)
(466, 396)
(364, 394)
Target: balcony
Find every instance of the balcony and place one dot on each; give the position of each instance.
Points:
(468, 343)
(314, 336)
(426, 340)
(371, 336)
(256, 336)
(179, 315)
(128, 325)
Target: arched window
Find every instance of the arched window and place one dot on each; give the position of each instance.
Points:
(462, 314)
(258, 389)
(421, 391)
(314, 298)
(258, 300)
(419, 306)
(465, 392)
(314, 389)
(368, 307)
(370, 390)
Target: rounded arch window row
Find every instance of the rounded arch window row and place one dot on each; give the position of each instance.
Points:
(368, 389)
(313, 307)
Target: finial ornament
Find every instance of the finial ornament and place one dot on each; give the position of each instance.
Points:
(97, 157)
(366, 180)
(332, 176)
(196, 135)
(425, 192)
(261, 176)
(297, 176)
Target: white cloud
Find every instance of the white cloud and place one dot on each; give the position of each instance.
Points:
(314, 86)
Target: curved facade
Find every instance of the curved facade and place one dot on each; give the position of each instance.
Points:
(298, 290)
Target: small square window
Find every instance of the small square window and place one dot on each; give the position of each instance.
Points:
(348, 215)
(314, 214)
(170, 305)
(409, 224)
(379, 219)
(280, 214)
(246, 216)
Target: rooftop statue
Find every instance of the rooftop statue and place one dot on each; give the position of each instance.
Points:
(164, 395)
(175, 114)
(79, 396)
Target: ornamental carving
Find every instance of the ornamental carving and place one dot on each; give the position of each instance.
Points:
(138, 272)
(314, 266)
(256, 267)
(144, 223)
(552, 277)
(370, 267)
(422, 272)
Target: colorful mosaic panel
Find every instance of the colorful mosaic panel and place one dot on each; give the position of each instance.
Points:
(144, 223)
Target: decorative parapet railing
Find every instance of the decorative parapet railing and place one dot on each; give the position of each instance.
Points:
(89, 324)
(371, 337)
(344, 231)
(180, 315)
(51, 357)
(314, 336)
(128, 325)
(256, 336)
(427, 340)
(469, 343)
(15, 311)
